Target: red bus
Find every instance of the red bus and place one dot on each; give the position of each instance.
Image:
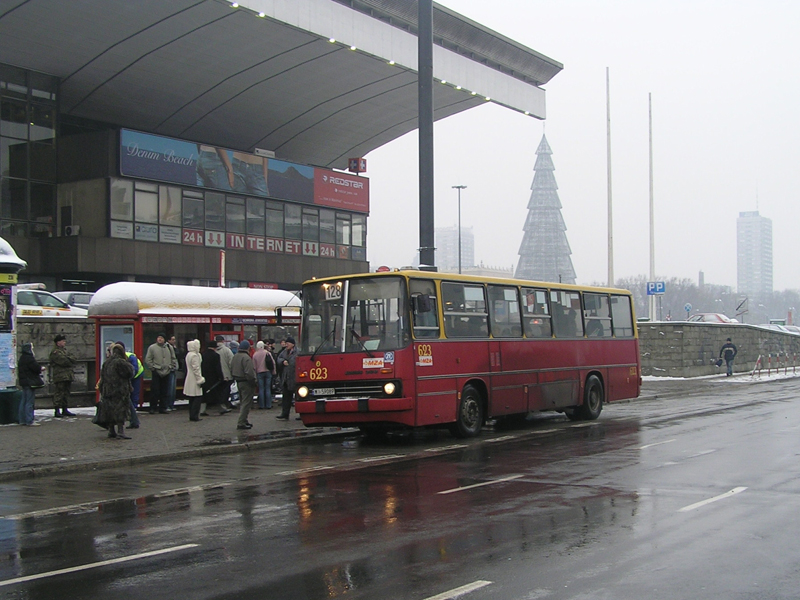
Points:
(409, 349)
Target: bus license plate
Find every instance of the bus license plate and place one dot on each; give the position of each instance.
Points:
(324, 392)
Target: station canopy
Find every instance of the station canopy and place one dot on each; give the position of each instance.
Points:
(314, 81)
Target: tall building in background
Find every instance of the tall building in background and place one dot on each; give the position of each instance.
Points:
(446, 242)
(544, 254)
(753, 255)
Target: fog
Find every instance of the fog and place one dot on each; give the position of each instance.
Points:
(725, 87)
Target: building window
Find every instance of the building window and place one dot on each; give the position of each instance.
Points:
(343, 229)
(193, 217)
(292, 213)
(327, 226)
(359, 230)
(121, 200)
(215, 211)
(169, 205)
(234, 215)
(146, 202)
(274, 216)
(255, 217)
(311, 224)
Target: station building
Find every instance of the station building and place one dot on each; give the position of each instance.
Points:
(140, 140)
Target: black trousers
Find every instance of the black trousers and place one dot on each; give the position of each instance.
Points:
(194, 407)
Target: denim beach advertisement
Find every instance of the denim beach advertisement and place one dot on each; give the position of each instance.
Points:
(158, 158)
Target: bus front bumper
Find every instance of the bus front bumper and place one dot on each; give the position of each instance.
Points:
(353, 405)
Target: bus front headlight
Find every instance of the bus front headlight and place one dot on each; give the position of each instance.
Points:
(389, 388)
(302, 391)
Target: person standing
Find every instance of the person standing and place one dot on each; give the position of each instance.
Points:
(181, 366)
(136, 385)
(215, 381)
(225, 358)
(287, 359)
(115, 391)
(62, 366)
(244, 374)
(193, 383)
(728, 352)
(265, 368)
(29, 372)
(161, 361)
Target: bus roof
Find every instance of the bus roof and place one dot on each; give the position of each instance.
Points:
(132, 298)
(472, 279)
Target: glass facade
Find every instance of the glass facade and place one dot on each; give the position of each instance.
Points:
(27, 153)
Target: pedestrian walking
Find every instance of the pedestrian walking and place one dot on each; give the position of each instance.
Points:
(265, 369)
(136, 385)
(287, 359)
(225, 357)
(62, 373)
(115, 392)
(29, 372)
(180, 366)
(244, 374)
(193, 383)
(728, 352)
(161, 361)
(214, 385)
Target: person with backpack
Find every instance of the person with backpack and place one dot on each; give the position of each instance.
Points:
(728, 352)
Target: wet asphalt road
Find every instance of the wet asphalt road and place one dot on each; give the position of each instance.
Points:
(692, 497)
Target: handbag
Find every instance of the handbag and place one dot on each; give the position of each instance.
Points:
(98, 418)
(719, 362)
(38, 384)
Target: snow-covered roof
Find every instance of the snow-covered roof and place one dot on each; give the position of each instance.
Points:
(131, 298)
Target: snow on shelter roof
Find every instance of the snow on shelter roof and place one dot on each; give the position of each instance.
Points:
(132, 298)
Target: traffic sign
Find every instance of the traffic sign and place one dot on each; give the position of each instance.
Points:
(656, 288)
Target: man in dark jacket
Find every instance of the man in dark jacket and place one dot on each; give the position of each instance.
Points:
(728, 352)
(30, 377)
(62, 364)
(244, 374)
(213, 387)
(287, 359)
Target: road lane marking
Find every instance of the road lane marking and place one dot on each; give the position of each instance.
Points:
(445, 448)
(460, 591)
(733, 492)
(502, 438)
(94, 565)
(477, 485)
(546, 431)
(657, 444)
(384, 457)
(309, 470)
(189, 490)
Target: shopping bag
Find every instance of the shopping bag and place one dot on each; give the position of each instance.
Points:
(234, 393)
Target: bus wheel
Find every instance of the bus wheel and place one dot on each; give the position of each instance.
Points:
(469, 418)
(592, 399)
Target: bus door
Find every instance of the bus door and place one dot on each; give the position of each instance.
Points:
(507, 394)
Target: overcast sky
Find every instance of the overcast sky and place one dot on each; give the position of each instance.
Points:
(725, 84)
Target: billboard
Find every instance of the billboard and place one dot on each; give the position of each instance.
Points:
(148, 156)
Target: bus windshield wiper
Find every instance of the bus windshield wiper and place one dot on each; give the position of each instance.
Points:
(327, 337)
(360, 343)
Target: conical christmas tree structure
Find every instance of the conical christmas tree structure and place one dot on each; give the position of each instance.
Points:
(544, 254)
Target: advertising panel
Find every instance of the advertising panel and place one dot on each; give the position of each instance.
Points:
(148, 156)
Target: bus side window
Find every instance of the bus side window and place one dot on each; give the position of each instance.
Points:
(597, 315)
(622, 316)
(424, 309)
(504, 311)
(567, 321)
(536, 313)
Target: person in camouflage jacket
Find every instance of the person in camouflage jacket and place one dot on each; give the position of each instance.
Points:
(62, 365)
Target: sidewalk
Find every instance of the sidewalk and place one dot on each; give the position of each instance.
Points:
(75, 443)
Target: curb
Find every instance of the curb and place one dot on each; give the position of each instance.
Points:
(299, 436)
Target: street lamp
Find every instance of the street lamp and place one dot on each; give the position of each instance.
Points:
(459, 188)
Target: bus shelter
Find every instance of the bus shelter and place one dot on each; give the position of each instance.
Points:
(137, 313)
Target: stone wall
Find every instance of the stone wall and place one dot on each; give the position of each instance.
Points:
(680, 349)
(80, 334)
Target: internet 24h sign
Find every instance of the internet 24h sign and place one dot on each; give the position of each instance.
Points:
(656, 288)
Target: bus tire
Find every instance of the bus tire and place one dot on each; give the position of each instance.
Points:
(593, 396)
(469, 418)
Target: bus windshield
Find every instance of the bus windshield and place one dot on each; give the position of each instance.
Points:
(375, 319)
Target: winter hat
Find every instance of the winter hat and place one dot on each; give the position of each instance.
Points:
(290, 340)
(59, 338)
(211, 344)
(244, 346)
(260, 345)
(219, 338)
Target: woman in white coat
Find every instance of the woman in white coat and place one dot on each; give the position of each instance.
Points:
(192, 385)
